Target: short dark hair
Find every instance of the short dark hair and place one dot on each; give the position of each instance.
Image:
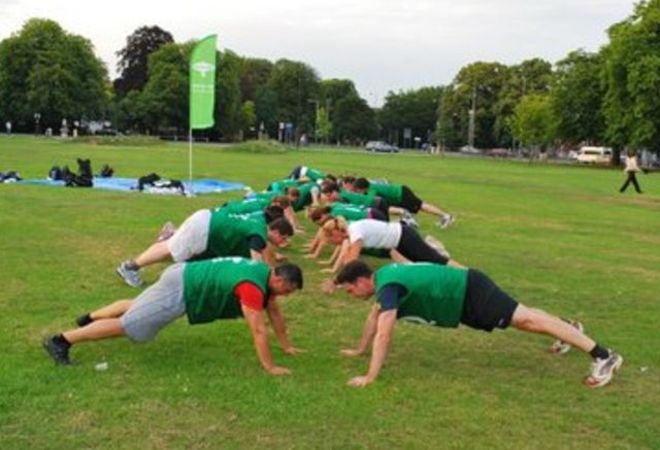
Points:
(281, 200)
(329, 186)
(361, 183)
(291, 274)
(352, 271)
(273, 212)
(282, 226)
(294, 191)
(319, 212)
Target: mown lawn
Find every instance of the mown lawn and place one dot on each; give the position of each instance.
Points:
(556, 237)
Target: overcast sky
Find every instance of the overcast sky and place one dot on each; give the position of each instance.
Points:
(381, 45)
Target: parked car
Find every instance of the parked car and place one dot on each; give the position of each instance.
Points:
(380, 146)
(594, 155)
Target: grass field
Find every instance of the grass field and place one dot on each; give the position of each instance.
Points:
(559, 238)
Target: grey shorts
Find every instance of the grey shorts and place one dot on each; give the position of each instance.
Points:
(157, 306)
(191, 238)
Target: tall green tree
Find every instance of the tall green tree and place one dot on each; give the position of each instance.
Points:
(45, 70)
(354, 120)
(415, 109)
(632, 78)
(254, 74)
(577, 98)
(533, 122)
(323, 125)
(134, 57)
(266, 108)
(295, 83)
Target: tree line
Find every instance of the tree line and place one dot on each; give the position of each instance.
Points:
(609, 97)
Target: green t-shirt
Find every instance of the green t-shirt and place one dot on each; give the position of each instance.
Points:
(305, 198)
(356, 199)
(208, 287)
(349, 212)
(229, 234)
(392, 193)
(246, 206)
(314, 174)
(435, 294)
(280, 185)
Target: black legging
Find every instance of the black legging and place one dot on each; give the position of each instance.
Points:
(631, 179)
(413, 247)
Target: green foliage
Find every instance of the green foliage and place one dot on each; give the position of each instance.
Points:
(532, 122)
(577, 98)
(415, 109)
(353, 120)
(44, 69)
(254, 74)
(258, 147)
(266, 109)
(632, 58)
(134, 57)
(228, 95)
(248, 116)
(295, 83)
(323, 125)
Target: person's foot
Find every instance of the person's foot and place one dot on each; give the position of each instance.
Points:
(445, 221)
(560, 347)
(130, 276)
(166, 232)
(409, 220)
(84, 320)
(602, 370)
(57, 350)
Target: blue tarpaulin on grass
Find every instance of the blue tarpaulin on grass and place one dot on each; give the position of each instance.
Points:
(203, 186)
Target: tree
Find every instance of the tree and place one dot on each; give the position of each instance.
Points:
(134, 57)
(631, 64)
(414, 109)
(254, 74)
(577, 98)
(248, 118)
(44, 69)
(323, 125)
(266, 108)
(532, 123)
(295, 83)
(228, 95)
(483, 82)
(354, 120)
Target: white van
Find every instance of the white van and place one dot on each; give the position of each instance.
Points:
(594, 155)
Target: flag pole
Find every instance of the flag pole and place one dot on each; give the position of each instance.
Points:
(190, 152)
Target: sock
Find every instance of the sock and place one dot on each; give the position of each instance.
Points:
(130, 265)
(83, 320)
(60, 339)
(599, 352)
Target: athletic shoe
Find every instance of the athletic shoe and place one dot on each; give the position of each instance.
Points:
(57, 350)
(166, 232)
(445, 221)
(131, 277)
(84, 320)
(409, 219)
(439, 246)
(602, 370)
(560, 347)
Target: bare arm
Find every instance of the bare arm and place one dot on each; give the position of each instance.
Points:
(257, 325)
(279, 326)
(384, 329)
(367, 334)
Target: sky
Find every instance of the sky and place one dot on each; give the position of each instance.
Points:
(382, 45)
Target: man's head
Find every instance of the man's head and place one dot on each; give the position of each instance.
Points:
(347, 182)
(361, 185)
(285, 279)
(320, 215)
(273, 212)
(335, 230)
(330, 191)
(293, 194)
(282, 201)
(357, 279)
(279, 231)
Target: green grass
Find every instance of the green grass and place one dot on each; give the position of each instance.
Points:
(559, 238)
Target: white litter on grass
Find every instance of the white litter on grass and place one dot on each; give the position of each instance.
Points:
(101, 366)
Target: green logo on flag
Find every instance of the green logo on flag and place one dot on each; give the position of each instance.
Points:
(202, 83)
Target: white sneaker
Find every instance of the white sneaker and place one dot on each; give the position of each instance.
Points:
(445, 221)
(560, 347)
(602, 370)
(130, 277)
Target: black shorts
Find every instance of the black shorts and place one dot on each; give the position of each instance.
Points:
(413, 247)
(377, 214)
(381, 205)
(486, 305)
(410, 201)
